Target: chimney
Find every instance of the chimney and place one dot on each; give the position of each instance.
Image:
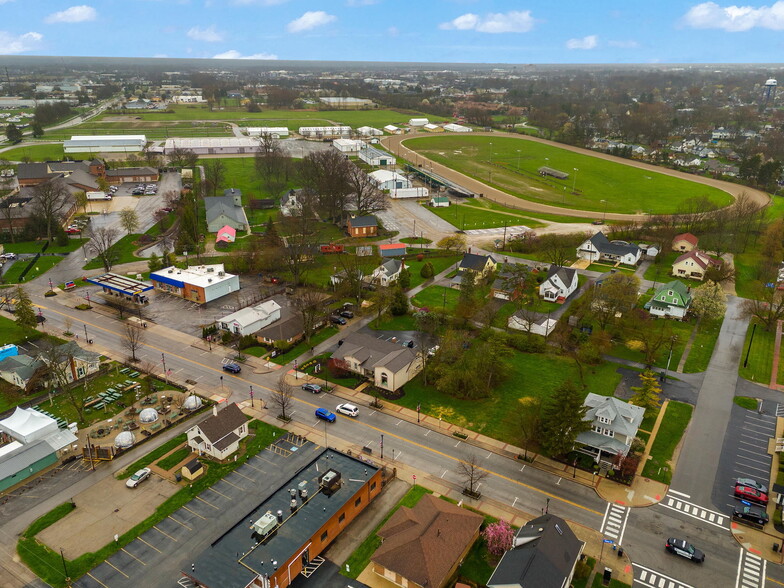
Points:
(215, 410)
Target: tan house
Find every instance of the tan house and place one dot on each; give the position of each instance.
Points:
(424, 545)
(480, 265)
(693, 265)
(388, 365)
(684, 242)
(219, 434)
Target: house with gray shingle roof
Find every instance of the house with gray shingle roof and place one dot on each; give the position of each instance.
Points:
(559, 284)
(388, 272)
(226, 210)
(19, 369)
(544, 554)
(219, 434)
(389, 365)
(600, 248)
(614, 425)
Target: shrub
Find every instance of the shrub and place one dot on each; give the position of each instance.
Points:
(226, 337)
(427, 270)
(420, 257)
(399, 305)
(527, 343)
(283, 346)
(247, 341)
(405, 279)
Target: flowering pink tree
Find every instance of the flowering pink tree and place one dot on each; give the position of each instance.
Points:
(499, 537)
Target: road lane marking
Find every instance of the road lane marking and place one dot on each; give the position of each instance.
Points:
(679, 493)
(694, 511)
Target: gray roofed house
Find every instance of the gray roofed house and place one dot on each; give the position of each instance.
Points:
(389, 365)
(288, 328)
(219, 434)
(543, 555)
(19, 369)
(226, 210)
(614, 425)
(481, 265)
(559, 284)
(362, 226)
(388, 272)
(599, 248)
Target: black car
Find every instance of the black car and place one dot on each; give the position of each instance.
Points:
(346, 314)
(314, 388)
(684, 549)
(336, 320)
(232, 367)
(755, 516)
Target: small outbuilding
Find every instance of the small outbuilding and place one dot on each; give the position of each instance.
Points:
(418, 122)
(439, 201)
(192, 470)
(362, 226)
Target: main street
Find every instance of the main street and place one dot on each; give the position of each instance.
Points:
(430, 452)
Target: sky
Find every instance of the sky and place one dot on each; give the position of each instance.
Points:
(462, 31)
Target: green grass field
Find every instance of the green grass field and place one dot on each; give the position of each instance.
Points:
(760, 359)
(125, 245)
(37, 247)
(43, 265)
(511, 164)
(436, 297)
(542, 216)
(673, 424)
(478, 217)
(293, 119)
(439, 265)
(153, 130)
(535, 375)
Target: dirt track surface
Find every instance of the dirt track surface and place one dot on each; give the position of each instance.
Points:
(395, 144)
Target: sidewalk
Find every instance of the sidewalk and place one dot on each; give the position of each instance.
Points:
(643, 492)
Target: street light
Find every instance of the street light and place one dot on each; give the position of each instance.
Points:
(382, 446)
(574, 184)
(604, 215)
(518, 160)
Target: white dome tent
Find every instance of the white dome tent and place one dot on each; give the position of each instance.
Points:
(124, 440)
(192, 403)
(148, 415)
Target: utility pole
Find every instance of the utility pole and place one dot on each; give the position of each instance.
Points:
(503, 245)
(165, 375)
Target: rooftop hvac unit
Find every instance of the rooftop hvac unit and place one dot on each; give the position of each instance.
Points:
(221, 274)
(330, 481)
(209, 280)
(210, 270)
(265, 524)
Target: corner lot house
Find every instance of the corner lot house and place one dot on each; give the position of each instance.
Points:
(559, 284)
(684, 242)
(424, 545)
(614, 425)
(599, 248)
(219, 434)
(544, 554)
(226, 210)
(482, 265)
(693, 265)
(670, 300)
(387, 364)
(247, 321)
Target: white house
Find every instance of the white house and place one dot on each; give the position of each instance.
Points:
(247, 321)
(599, 248)
(219, 434)
(348, 145)
(290, 204)
(559, 284)
(614, 425)
(388, 272)
(418, 122)
(539, 326)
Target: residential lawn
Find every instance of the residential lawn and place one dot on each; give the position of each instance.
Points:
(304, 347)
(702, 348)
(48, 565)
(513, 162)
(152, 456)
(466, 217)
(682, 330)
(598, 582)
(309, 367)
(746, 402)
(603, 268)
(759, 362)
(126, 246)
(501, 319)
(360, 557)
(43, 265)
(293, 119)
(439, 265)
(173, 459)
(531, 375)
(255, 351)
(434, 297)
(37, 247)
(673, 424)
(475, 566)
(747, 273)
(583, 582)
(393, 323)
(325, 266)
(661, 270)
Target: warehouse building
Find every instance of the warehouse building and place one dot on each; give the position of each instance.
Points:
(370, 132)
(347, 103)
(455, 128)
(132, 174)
(393, 130)
(213, 145)
(335, 132)
(374, 156)
(398, 186)
(418, 122)
(201, 283)
(274, 132)
(348, 146)
(105, 144)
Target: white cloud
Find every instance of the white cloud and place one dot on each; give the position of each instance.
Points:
(208, 35)
(80, 13)
(710, 15)
(310, 20)
(514, 21)
(12, 44)
(234, 54)
(589, 42)
(624, 44)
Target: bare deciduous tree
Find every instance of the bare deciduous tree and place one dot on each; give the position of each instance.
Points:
(182, 157)
(272, 163)
(214, 174)
(325, 174)
(101, 241)
(133, 339)
(471, 473)
(311, 307)
(282, 397)
(365, 195)
(49, 200)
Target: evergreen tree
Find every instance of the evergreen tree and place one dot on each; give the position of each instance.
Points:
(154, 263)
(25, 313)
(271, 235)
(648, 395)
(562, 420)
(38, 130)
(12, 133)
(399, 304)
(427, 271)
(404, 281)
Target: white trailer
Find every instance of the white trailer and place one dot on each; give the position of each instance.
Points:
(98, 196)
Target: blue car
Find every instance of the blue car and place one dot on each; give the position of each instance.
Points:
(324, 414)
(232, 367)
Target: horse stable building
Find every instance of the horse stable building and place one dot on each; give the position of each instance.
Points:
(285, 534)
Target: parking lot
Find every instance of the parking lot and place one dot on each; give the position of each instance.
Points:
(745, 452)
(157, 556)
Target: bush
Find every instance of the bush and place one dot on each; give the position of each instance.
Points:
(226, 337)
(420, 257)
(399, 305)
(527, 343)
(427, 270)
(248, 341)
(283, 346)
(405, 279)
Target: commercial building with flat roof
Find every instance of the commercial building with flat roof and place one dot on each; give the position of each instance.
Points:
(285, 534)
(105, 144)
(200, 283)
(213, 145)
(274, 132)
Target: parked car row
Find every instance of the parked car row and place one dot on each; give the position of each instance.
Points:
(146, 189)
(345, 409)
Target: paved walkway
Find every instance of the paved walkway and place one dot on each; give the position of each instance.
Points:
(774, 370)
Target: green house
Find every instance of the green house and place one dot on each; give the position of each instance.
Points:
(671, 300)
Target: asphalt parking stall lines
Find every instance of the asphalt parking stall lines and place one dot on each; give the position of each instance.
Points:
(200, 499)
(218, 492)
(185, 507)
(179, 522)
(150, 545)
(172, 529)
(227, 481)
(164, 533)
(89, 581)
